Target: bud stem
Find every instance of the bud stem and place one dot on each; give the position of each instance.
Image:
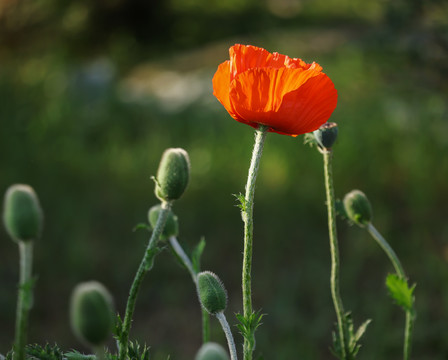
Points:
(410, 315)
(187, 262)
(144, 267)
(24, 301)
(334, 250)
(226, 328)
(247, 215)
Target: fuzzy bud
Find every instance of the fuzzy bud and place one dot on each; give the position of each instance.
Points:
(91, 313)
(173, 174)
(212, 293)
(358, 208)
(171, 226)
(211, 351)
(326, 135)
(22, 213)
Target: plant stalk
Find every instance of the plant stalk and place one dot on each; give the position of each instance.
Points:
(226, 328)
(410, 315)
(334, 249)
(25, 298)
(247, 215)
(145, 266)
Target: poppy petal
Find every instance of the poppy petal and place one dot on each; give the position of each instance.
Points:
(257, 95)
(221, 85)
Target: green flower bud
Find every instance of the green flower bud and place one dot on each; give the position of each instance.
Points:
(171, 226)
(22, 214)
(358, 208)
(212, 293)
(91, 313)
(211, 351)
(173, 174)
(326, 135)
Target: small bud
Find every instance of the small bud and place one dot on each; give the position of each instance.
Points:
(173, 174)
(171, 226)
(91, 313)
(22, 214)
(358, 208)
(211, 351)
(326, 135)
(211, 291)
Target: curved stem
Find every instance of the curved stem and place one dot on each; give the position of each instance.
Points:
(145, 266)
(24, 300)
(334, 249)
(247, 215)
(410, 315)
(226, 328)
(187, 262)
(388, 250)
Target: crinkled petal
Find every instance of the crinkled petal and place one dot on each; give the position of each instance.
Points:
(221, 86)
(245, 57)
(267, 95)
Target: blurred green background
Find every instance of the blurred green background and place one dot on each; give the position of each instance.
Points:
(92, 92)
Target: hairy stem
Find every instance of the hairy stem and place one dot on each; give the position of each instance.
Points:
(145, 266)
(226, 328)
(410, 315)
(247, 215)
(187, 263)
(25, 298)
(334, 249)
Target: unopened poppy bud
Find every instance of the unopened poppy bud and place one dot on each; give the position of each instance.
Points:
(171, 225)
(91, 313)
(211, 351)
(173, 174)
(326, 135)
(211, 291)
(22, 213)
(358, 208)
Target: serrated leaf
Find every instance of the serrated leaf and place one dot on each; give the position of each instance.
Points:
(241, 200)
(400, 291)
(196, 255)
(48, 352)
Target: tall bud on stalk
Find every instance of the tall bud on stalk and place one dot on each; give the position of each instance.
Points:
(358, 208)
(171, 225)
(211, 291)
(91, 313)
(173, 174)
(211, 351)
(326, 135)
(22, 215)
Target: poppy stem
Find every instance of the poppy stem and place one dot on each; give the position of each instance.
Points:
(247, 215)
(25, 298)
(145, 266)
(410, 314)
(334, 249)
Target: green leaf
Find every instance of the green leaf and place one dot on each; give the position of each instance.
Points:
(400, 291)
(241, 200)
(48, 352)
(249, 325)
(141, 226)
(75, 355)
(196, 255)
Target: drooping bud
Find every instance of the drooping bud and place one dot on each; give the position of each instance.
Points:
(358, 208)
(91, 313)
(326, 135)
(22, 214)
(173, 174)
(171, 226)
(212, 293)
(211, 351)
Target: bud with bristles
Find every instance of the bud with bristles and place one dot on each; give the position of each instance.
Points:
(358, 208)
(326, 135)
(211, 291)
(171, 225)
(91, 313)
(22, 213)
(173, 174)
(211, 351)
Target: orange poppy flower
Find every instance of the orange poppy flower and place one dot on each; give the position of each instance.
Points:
(286, 94)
